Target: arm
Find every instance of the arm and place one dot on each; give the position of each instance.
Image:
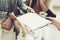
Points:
(12, 15)
(43, 5)
(22, 26)
(26, 34)
(46, 9)
(54, 22)
(10, 10)
(24, 6)
(57, 24)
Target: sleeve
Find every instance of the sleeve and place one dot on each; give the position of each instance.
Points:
(22, 5)
(29, 37)
(10, 7)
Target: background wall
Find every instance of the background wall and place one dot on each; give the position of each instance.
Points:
(54, 5)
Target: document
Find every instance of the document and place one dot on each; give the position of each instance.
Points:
(33, 20)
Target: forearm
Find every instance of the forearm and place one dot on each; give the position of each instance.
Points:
(44, 8)
(12, 15)
(22, 26)
(22, 5)
(54, 22)
(25, 32)
(57, 24)
(43, 5)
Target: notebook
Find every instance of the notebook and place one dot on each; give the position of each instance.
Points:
(33, 20)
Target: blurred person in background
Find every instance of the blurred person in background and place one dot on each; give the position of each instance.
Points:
(11, 9)
(40, 6)
(35, 34)
(10, 6)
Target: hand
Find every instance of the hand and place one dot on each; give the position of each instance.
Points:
(30, 10)
(43, 14)
(51, 18)
(12, 15)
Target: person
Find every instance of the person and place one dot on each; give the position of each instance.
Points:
(36, 34)
(40, 5)
(27, 35)
(11, 8)
(55, 22)
(7, 6)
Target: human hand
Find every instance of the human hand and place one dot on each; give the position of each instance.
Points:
(30, 10)
(12, 15)
(51, 18)
(43, 14)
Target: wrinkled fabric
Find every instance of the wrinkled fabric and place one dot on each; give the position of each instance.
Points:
(49, 32)
(4, 5)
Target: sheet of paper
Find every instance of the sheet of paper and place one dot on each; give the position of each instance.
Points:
(33, 21)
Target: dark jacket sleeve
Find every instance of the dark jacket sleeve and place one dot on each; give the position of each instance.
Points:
(22, 5)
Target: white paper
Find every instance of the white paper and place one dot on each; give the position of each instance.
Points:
(33, 21)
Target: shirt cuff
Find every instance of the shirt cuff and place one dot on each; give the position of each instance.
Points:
(24, 7)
